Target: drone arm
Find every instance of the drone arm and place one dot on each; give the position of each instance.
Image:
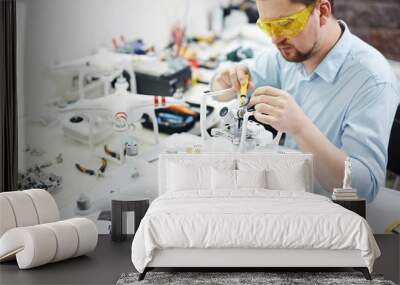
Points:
(223, 95)
(244, 131)
(155, 126)
(203, 117)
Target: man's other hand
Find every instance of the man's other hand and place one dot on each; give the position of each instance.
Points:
(275, 107)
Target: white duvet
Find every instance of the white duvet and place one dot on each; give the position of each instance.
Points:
(250, 219)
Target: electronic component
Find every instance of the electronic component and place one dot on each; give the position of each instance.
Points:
(36, 178)
(131, 147)
(176, 120)
(162, 78)
(83, 202)
(90, 128)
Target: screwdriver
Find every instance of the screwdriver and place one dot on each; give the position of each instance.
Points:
(243, 91)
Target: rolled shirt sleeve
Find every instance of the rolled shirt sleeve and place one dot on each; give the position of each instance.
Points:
(366, 132)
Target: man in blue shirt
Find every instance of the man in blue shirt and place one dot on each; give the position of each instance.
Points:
(331, 93)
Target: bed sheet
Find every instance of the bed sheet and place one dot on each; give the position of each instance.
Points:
(253, 218)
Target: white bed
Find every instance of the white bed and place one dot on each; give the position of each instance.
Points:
(207, 222)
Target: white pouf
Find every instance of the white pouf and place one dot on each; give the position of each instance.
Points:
(31, 233)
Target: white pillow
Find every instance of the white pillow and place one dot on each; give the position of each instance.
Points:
(186, 177)
(223, 179)
(281, 180)
(282, 173)
(251, 179)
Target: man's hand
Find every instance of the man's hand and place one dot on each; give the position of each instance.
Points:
(278, 109)
(231, 77)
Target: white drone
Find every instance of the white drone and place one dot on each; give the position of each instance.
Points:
(115, 109)
(238, 130)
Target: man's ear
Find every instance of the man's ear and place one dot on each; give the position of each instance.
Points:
(325, 9)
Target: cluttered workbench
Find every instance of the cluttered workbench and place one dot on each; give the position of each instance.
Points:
(58, 154)
(74, 150)
(96, 137)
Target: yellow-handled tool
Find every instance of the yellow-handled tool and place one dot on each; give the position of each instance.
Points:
(243, 91)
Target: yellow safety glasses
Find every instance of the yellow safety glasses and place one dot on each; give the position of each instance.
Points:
(287, 27)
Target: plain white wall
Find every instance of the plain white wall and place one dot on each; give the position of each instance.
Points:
(59, 30)
(62, 30)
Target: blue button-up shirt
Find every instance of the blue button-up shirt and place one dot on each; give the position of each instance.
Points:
(351, 97)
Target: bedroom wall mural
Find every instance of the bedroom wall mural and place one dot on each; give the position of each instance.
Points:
(76, 155)
(57, 150)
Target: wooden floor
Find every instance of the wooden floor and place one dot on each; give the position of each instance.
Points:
(111, 259)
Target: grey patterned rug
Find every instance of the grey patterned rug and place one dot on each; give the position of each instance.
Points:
(243, 278)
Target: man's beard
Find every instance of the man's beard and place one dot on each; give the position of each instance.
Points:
(294, 55)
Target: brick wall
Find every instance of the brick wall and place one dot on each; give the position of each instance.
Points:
(375, 21)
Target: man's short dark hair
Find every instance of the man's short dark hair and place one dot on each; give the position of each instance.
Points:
(308, 2)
